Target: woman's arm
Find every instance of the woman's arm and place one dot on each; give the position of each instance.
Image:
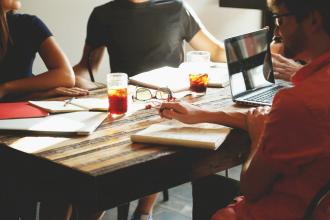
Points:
(59, 74)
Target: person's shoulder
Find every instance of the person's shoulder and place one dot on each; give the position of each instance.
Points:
(174, 2)
(286, 95)
(23, 18)
(25, 21)
(112, 5)
(173, 5)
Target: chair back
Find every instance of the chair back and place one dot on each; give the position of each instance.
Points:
(320, 196)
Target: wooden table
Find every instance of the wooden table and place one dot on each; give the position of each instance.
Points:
(105, 169)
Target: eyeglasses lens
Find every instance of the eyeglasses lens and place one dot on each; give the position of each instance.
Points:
(143, 94)
(162, 94)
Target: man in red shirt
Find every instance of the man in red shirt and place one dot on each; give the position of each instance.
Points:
(290, 143)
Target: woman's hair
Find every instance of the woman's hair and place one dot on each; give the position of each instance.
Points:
(302, 8)
(4, 34)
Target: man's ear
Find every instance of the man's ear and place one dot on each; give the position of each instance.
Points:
(315, 21)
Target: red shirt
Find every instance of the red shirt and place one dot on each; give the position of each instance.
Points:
(296, 143)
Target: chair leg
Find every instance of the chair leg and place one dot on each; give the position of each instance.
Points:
(123, 211)
(165, 195)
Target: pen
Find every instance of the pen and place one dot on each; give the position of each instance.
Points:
(68, 101)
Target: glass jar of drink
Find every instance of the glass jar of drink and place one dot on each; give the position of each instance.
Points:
(117, 93)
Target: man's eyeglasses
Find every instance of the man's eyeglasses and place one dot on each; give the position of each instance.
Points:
(144, 94)
(278, 20)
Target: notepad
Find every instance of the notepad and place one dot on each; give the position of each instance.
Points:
(92, 104)
(56, 106)
(13, 110)
(81, 104)
(206, 136)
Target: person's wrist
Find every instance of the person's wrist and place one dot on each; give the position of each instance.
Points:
(208, 116)
(3, 90)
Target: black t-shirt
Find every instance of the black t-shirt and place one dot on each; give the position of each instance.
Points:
(27, 34)
(142, 36)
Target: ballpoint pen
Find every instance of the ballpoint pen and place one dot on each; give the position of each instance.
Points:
(68, 101)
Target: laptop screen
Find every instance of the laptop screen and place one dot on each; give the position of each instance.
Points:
(249, 62)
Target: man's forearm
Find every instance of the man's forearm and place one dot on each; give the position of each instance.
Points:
(230, 119)
(81, 71)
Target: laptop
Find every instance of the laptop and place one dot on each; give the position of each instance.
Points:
(251, 75)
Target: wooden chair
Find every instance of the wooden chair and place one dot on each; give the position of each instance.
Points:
(319, 197)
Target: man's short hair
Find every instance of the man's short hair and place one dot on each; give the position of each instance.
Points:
(302, 8)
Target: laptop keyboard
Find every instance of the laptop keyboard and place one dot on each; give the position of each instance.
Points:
(265, 97)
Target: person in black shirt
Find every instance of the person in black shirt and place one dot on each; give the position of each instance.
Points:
(141, 35)
(21, 37)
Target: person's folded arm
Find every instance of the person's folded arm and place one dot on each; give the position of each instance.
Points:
(257, 176)
(203, 40)
(93, 57)
(59, 74)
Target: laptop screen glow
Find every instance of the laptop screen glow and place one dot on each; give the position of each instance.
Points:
(249, 62)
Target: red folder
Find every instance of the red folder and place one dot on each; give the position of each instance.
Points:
(13, 110)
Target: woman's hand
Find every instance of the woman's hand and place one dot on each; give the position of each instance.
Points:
(2, 91)
(284, 68)
(182, 111)
(64, 91)
(57, 92)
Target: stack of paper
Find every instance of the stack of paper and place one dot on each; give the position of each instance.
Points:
(177, 79)
(80, 123)
(207, 136)
(165, 77)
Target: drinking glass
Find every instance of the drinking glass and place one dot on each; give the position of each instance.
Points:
(198, 63)
(117, 93)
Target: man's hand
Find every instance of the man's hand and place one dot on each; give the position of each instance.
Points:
(181, 111)
(83, 83)
(256, 119)
(284, 68)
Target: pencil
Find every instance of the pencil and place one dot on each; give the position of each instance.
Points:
(68, 101)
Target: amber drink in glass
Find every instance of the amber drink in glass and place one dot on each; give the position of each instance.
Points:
(117, 93)
(198, 82)
(198, 65)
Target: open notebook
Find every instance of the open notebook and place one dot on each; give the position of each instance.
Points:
(79, 123)
(207, 136)
(80, 104)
